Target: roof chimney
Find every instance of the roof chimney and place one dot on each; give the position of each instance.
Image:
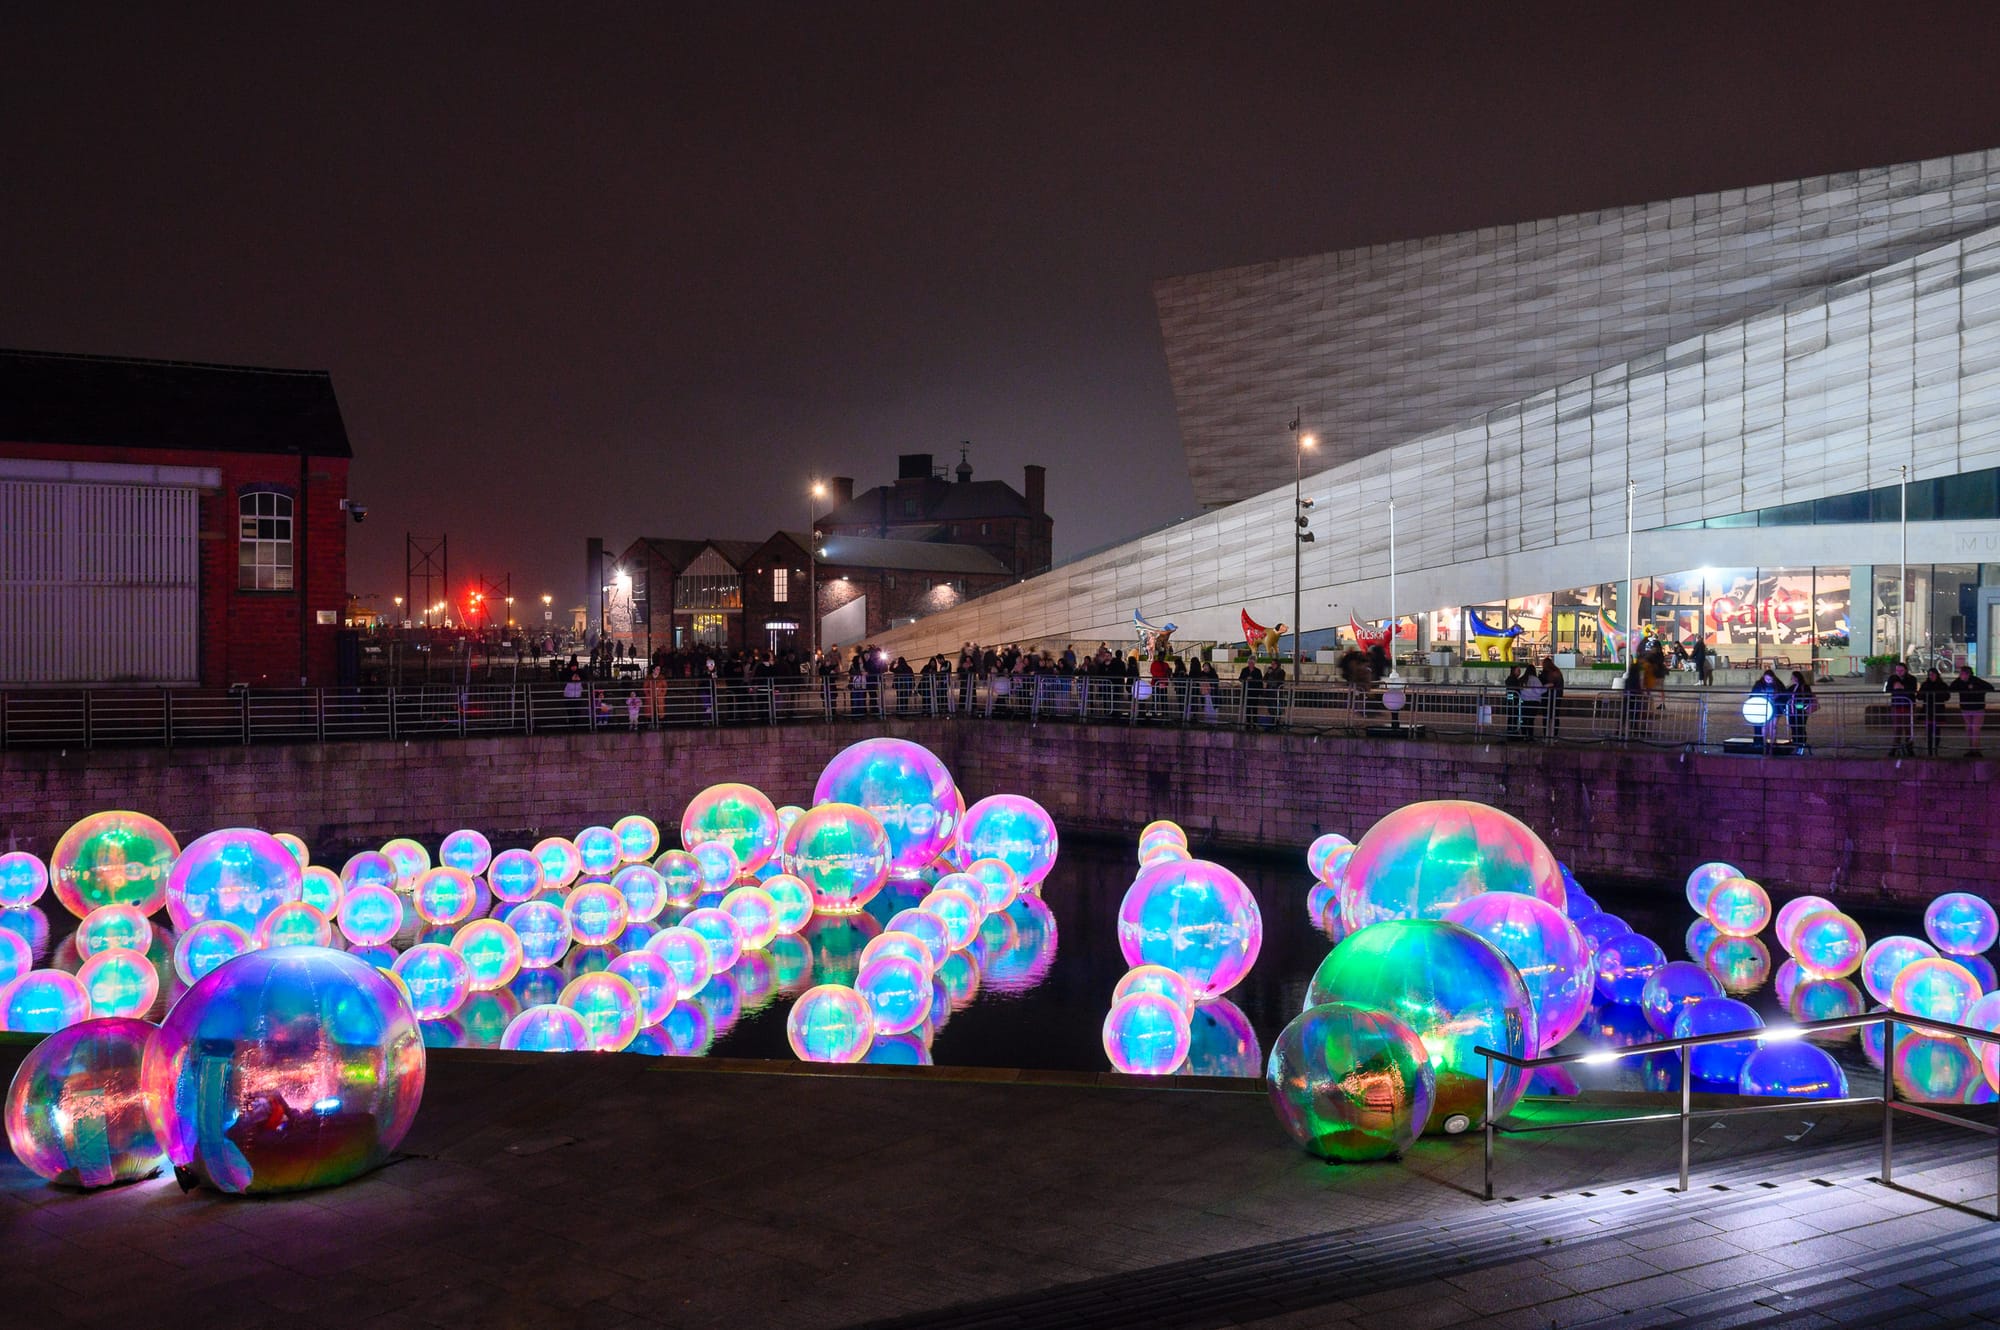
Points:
(913, 466)
(964, 463)
(1037, 481)
(843, 489)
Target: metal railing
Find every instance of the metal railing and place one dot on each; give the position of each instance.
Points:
(1845, 721)
(1686, 1114)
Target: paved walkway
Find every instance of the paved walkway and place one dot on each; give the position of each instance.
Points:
(602, 1192)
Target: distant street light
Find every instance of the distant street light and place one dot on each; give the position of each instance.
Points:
(812, 568)
(1301, 537)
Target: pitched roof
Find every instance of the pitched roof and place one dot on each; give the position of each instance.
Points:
(916, 556)
(122, 402)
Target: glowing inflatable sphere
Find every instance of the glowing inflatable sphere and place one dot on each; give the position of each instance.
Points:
(369, 868)
(841, 853)
(1016, 829)
(207, 945)
(1146, 1034)
(294, 924)
(1718, 1064)
(907, 945)
(43, 1001)
(76, 1109)
(644, 890)
(116, 858)
(1424, 858)
(681, 872)
(23, 879)
(237, 874)
(1196, 918)
(410, 858)
(1888, 957)
(322, 889)
(830, 1023)
(546, 1029)
(1547, 950)
(543, 928)
(1792, 913)
(560, 862)
(1939, 989)
(1740, 964)
(897, 990)
(466, 850)
(907, 789)
(436, 977)
(1624, 964)
(444, 895)
(598, 851)
(1936, 1069)
(960, 912)
(1163, 852)
(298, 848)
(492, 952)
(1350, 1083)
(1319, 855)
(370, 915)
(655, 982)
(791, 903)
(717, 864)
(1155, 979)
(283, 1070)
(738, 816)
(926, 925)
(638, 838)
(119, 983)
(1982, 970)
(514, 875)
(1791, 1069)
(111, 928)
(1960, 924)
(609, 1007)
(1162, 831)
(755, 913)
(1704, 880)
(686, 954)
(1739, 907)
(997, 885)
(1828, 944)
(719, 933)
(1576, 901)
(1600, 928)
(1672, 989)
(1984, 1015)
(1455, 991)
(596, 913)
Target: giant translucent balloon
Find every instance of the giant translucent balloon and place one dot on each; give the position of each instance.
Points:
(23, 879)
(1319, 854)
(841, 852)
(283, 1070)
(1739, 907)
(598, 851)
(76, 1110)
(467, 850)
(1424, 858)
(1704, 879)
(1672, 989)
(1350, 1083)
(207, 945)
(492, 952)
(1939, 989)
(1548, 951)
(830, 1023)
(546, 1028)
(1792, 913)
(1146, 1034)
(908, 790)
(1195, 917)
(1791, 1069)
(237, 874)
(119, 983)
(514, 875)
(42, 1002)
(898, 992)
(1886, 958)
(1959, 923)
(117, 858)
(609, 1006)
(444, 895)
(112, 927)
(1455, 991)
(1718, 1064)
(1828, 944)
(740, 816)
(1014, 828)
(1624, 964)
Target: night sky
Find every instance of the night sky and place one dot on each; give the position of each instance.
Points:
(623, 269)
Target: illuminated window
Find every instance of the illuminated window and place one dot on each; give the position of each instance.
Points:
(264, 541)
(781, 584)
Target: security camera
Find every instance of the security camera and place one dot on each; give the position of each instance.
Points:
(357, 511)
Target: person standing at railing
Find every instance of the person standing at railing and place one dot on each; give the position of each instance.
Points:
(1775, 697)
(1933, 695)
(1800, 703)
(1971, 691)
(656, 695)
(1274, 694)
(1552, 691)
(1252, 680)
(1635, 697)
(1704, 661)
(1514, 698)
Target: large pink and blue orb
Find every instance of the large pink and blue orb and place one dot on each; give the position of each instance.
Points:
(117, 858)
(283, 1070)
(466, 850)
(1624, 964)
(1350, 1083)
(961, 914)
(369, 915)
(596, 913)
(548, 1028)
(76, 1109)
(738, 816)
(655, 982)
(755, 913)
(436, 978)
(238, 874)
(842, 853)
(1154, 979)
(830, 1023)
(686, 954)
(1937, 989)
(412, 860)
(23, 879)
(1319, 854)
(638, 837)
(559, 860)
(42, 1002)
(1013, 828)
(717, 865)
(791, 902)
(1672, 989)
(368, 868)
(597, 851)
(1959, 923)
(515, 876)
(644, 890)
(1792, 913)
(119, 983)
(322, 889)
(1886, 958)
(112, 928)
(719, 932)
(1221, 1041)
(1828, 944)
(907, 945)
(1791, 1069)
(492, 952)
(1194, 917)
(897, 990)
(444, 895)
(993, 883)
(1160, 832)
(1146, 1034)
(544, 931)
(908, 790)
(1548, 951)
(1424, 858)
(680, 873)
(1739, 907)
(207, 945)
(1704, 880)
(609, 1006)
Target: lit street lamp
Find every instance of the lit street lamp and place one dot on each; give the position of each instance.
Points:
(1301, 538)
(812, 569)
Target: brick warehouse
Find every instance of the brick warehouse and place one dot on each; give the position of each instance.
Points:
(169, 523)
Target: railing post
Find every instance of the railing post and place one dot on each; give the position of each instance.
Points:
(590, 693)
(86, 718)
(714, 710)
(246, 716)
(389, 696)
(319, 713)
(1888, 1098)
(464, 695)
(167, 715)
(1486, 1163)
(528, 706)
(1687, 1103)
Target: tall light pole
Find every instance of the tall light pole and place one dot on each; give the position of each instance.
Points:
(1626, 615)
(1301, 537)
(1903, 564)
(813, 497)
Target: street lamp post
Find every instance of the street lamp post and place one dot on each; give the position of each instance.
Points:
(1301, 537)
(812, 569)
(1627, 614)
(1903, 560)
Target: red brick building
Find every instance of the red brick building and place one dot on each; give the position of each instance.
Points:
(169, 523)
(925, 505)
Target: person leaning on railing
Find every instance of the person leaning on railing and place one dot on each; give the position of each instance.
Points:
(1901, 687)
(1971, 691)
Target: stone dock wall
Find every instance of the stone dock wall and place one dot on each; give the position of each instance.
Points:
(1866, 830)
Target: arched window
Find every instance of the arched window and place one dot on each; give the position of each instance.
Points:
(264, 541)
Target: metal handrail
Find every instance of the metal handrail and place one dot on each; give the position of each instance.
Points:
(1888, 1020)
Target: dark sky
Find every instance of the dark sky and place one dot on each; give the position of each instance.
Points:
(623, 269)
